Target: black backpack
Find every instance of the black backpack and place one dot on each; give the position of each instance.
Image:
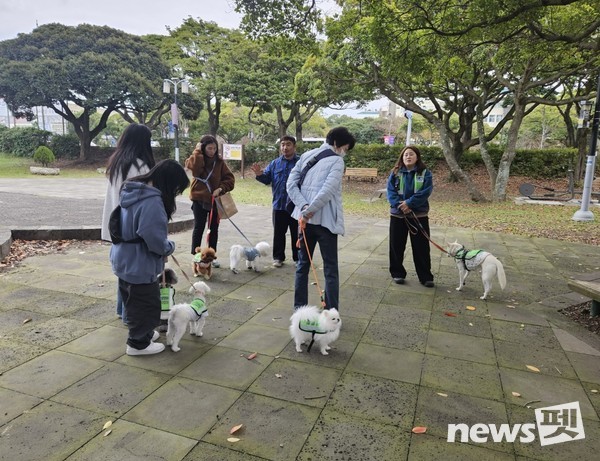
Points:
(114, 228)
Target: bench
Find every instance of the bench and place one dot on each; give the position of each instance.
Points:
(589, 289)
(370, 173)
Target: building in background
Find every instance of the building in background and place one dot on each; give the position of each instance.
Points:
(45, 119)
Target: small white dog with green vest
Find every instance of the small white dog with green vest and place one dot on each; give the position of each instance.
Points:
(311, 324)
(467, 260)
(194, 314)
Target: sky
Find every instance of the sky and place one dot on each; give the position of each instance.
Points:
(138, 17)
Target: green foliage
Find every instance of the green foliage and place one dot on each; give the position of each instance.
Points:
(65, 146)
(384, 157)
(44, 156)
(22, 142)
(167, 148)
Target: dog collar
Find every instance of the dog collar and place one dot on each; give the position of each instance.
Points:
(199, 307)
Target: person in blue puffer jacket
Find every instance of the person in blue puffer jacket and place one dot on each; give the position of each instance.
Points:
(147, 204)
(408, 189)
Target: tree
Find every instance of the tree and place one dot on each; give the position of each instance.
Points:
(87, 67)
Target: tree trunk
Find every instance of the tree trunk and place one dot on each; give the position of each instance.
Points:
(298, 120)
(213, 115)
(509, 153)
(582, 143)
(485, 155)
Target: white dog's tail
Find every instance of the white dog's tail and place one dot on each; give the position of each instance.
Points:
(499, 271)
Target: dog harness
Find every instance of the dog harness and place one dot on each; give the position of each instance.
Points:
(251, 253)
(198, 258)
(199, 307)
(311, 326)
(470, 258)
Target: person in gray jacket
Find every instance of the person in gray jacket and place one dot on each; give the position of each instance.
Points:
(147, 204)
(318, 209)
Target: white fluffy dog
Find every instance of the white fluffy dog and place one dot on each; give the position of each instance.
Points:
(252, 255)
(193, 314)
(467, 260)
(309, 323)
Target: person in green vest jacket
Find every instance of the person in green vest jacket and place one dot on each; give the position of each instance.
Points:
(408, 189)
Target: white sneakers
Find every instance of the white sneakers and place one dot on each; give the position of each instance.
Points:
(153, 348)
(277, 263)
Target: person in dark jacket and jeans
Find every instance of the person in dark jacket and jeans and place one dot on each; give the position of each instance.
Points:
(147, 204)
(408, 189)
(276, 174)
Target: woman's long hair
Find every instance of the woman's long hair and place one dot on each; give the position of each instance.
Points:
(169, 177)
(133, 146)
(205, 141)
(400, 162)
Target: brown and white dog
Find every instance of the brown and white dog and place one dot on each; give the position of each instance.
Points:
(202, 264)
(467, 260)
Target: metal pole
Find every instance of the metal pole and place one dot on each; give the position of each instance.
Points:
(408, 114)
(176, 124)
(584, 214)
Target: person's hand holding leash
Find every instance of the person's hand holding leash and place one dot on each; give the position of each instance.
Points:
(404, 208)
(217, 192)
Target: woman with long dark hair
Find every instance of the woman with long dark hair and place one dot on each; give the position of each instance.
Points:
(132, 157)
(212, 177)
(408, 189)
(147, 204)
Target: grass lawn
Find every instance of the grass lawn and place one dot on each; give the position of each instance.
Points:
(18, 167)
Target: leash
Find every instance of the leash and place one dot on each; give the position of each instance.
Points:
(413, 230)
(301, 236)
(231, 221)
(182, 271)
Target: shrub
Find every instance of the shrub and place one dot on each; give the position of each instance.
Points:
(65, 146)
(22, 142)
(44, 156)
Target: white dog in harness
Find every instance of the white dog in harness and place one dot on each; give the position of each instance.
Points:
(193, 314)
(467, 260)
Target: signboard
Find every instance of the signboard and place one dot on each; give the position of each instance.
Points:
(232, 152)
(389, 140)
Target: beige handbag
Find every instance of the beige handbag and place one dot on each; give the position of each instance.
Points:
(226, 206)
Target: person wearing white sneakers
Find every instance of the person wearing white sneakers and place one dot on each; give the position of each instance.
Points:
(139, 232)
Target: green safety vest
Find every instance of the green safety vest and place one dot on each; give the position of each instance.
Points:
(199, 307)
(419, 181)
(311, 326)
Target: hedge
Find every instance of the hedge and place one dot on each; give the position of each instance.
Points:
(22, 142)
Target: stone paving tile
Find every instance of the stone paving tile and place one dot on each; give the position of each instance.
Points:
(122, 387)
(169, 362)
(584, 449)
(255, 294)
(296, 382)
(216, 329)
(14, 404)
(458, 346)
(50, 333)
(132, 442)
(548, 361)
(398, 334)
(99, 312)
(476, 379)
(401, 365)
(545, 390)
(263, 434)
(531, 335)
(13, 354)
(339, 355)
(47, 375)
(337, 436)
(462, 324)
(586, 366)
(57, 431)
(377, 399)
(15, 319)
(257, 338)
(353, 328)
(273, 316)
(208, 452)
(236, 310)
(105, 343)
(184, 407)
(227, 367)
(425, 447)
(518, 314)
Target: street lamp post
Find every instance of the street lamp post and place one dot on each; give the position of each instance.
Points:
(167, 82)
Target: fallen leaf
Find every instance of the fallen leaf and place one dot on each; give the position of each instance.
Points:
(442, 394)
(449, 314)
(101, 284)
(594, 391)
(234, 429)
(248, 297)
(516, 394)
(471, 308)
(233, 439)
(107, 425)
(532, 368)
(26, 321)
(277, 375)
(470, 324)
(259, 308)
(252, 356)
(107, 432)
(510, 306)
(419, 430)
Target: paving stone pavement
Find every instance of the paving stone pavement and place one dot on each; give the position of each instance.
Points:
(407, 355)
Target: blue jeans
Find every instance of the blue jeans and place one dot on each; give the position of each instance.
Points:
(329, 252)
(121, 307)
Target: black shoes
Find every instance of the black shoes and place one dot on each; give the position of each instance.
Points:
(399, 280)
(429, 284)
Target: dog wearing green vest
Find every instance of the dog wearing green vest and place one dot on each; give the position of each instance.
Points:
(311, 324)
(467, 260)
(193, 314)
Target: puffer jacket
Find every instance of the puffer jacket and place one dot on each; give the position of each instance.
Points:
(221, 176)
(417, 201)
(143, 216)
(321, 190)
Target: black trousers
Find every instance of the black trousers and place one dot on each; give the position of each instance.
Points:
(200, 218)
(142, 304)
(399, 232)
(282, 221)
